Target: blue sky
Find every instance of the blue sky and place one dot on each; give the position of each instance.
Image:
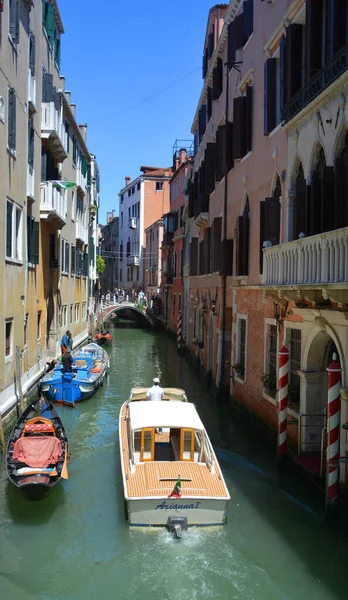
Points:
(116, 55)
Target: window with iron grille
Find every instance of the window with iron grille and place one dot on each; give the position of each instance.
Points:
(241, 356)
(294, 336)
(270, 376)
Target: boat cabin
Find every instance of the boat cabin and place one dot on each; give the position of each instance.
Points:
(166, 431)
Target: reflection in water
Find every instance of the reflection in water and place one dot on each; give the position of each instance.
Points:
(76, 545)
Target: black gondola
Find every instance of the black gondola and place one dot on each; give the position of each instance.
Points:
(37, 450)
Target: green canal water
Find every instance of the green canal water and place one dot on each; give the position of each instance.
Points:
(76, 545)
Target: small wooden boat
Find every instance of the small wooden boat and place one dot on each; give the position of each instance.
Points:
(103, 337)
(171, 476)
(37, 451)
(90, 367)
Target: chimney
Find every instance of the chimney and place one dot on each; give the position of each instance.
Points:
(127, 178)
(83, 131)
(177, 163)
(68, 96)
(182, 155)
(62, 82)
(73, 109)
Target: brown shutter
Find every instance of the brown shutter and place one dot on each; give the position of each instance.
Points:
(300, 225)
(215, 252)
(193, 256)
(210, 167)
(314, 37)
(282, 75)
(229, 146)
(217, 79)
(223, 149)
(327, 199)
(239, 116)
(340, 36)
(218, 157)
(240, 246)
(231, 46)
(211, 43)
(262, 232)
(246, 226)
(204, 64)
(227, 258)
(201, 262)
(202, 120)
(248, 18)
(249, 118)
(206, 251)
(341, 194)
(240, 40)
(272, 220)
(294, 34)
(209, 103)
(270, 95)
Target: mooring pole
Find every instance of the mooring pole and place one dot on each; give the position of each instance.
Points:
(179, 331)
(333, 435)
(283, 381)
(2, 436)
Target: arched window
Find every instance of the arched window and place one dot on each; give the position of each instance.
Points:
(270, 220)
(300, 220)
(242, 239)
(341, 187)
(319, 199)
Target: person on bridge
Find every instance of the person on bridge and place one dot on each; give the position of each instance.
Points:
(155, 392)
(67, 361)
(66, 342)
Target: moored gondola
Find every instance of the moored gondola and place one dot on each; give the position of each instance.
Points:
(103, 337)
(37, 450)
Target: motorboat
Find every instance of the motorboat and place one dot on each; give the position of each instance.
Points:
(37, 450)
(171, 476)
(103, 337)
(89, 369)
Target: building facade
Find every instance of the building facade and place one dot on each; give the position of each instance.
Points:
(142, 202)
(109, 251)
(153, 259)
(44, 261)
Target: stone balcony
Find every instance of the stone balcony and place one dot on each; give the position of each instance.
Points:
(133, 261)
(52, 129)
(53, 205)
(313, 268)
(81, 232)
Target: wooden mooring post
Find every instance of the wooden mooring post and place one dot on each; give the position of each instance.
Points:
(18, 374)
(2, 436)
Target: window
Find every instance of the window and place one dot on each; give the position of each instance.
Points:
(294, 337)
(242, 123)
(77, 312)
(270, 376)
(241, 348)
(33, 228)
(84, 310)
(13, 231)
(8, 337)
(174, 302)
(73, 260)
(121, 220)
(25, 334)
(121, 275)
(159, 186)
(31, 142)
(71, 314)
(128, 275)
(133, 189)
(122, 195)
(63, 316)
(65, 257)
(57, 48)
(242, 235)
(179, 302)
(32, 53)
(13, 21)
(48, 20)
(11, 131)
(129, 192)
(38, 328)
(138, 185)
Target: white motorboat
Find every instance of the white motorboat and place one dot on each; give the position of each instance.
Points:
(171, 476)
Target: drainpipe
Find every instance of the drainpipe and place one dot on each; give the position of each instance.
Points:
(224, 237)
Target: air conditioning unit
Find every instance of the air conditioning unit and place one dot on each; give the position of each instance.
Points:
(133, 223)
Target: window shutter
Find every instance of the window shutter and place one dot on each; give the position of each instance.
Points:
(50, 23)
(200, 261)
(282, 75)
(67, 257)
(34, 243)
(206, 251)
(239, 137)
(270, 95)
(202, 120)
(240, 40)
(12, 119)
(44, 86)
(17, 15)
(73, 260)
(272, 220)
(32, 53)
(204, 64)
(231, 44)
(211, 44)
(31, 146)
(249, 118)
(43, 163)
(229, 145)
(314, 33)
(209, 103)
(57, 51)
(193, 256)
(294, 35)
(216, 245)
(341, 194)
(210, 167)
(327, 196)
(262, 232)
(301, 209)
(340, 37)
(240, 245)
(9, 212)
(49, 88)
(217, 79)
(248, 18)
(227, 258)
(246, 226)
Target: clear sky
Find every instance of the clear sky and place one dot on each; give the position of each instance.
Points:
(135, 73)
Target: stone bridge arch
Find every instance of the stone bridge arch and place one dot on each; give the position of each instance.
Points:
(111, 311)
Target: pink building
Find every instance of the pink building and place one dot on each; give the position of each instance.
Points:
(153, 259)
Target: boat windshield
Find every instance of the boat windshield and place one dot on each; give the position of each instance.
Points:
(168, 444)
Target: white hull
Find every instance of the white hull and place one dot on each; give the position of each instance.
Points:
(156, 511)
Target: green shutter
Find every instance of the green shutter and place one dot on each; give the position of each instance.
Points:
(34, 243)
(57, 51)
(49, 24)
(12, 119)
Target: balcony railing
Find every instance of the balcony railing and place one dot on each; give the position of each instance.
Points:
(81, 180)
(53, 205)
(30, 181)
(52, 128)
(31, 90)
(318, 259)
(331, 71)
(133, 261)
(168, 238)
(81, 232)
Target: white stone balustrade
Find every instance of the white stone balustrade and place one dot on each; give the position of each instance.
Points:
(81, 180)
(321, 258)
(53, 203)
(51, 121)
(81, 232)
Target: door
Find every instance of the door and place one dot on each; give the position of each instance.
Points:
(187, 444)
(147, 449)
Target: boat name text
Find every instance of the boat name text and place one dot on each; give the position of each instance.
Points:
(166, 506)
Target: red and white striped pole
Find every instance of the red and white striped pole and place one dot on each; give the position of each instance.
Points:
(333, 432)
(179, 331)
(283, 381)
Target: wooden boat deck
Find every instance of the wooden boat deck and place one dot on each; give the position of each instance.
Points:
(158, 478)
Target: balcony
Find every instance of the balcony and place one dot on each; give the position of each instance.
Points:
(201, 210)
(31, 92)
(81, 232)
(132, 223)
(53, 206)
(30, 181)
(81, 180)
(168, 238)
(53, 130)
(314, 268)
(133, 261)
(331, 71)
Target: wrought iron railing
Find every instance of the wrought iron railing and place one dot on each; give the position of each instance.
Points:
(333, 69)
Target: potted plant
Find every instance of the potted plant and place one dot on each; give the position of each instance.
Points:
(239, 369)
(269, 381)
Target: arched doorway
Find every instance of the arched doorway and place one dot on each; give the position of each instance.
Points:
(210, 344)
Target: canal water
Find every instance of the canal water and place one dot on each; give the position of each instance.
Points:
(76, 545)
